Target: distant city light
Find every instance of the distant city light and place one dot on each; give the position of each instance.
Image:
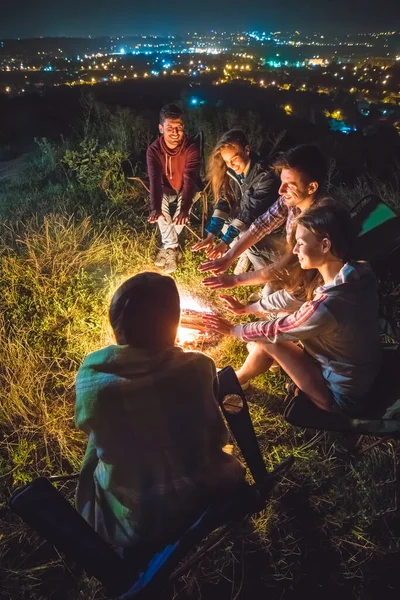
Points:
(194, 101)
(122, 51)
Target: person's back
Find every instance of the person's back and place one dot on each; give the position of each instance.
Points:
(155, 455)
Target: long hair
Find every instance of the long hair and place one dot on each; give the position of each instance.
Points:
(326, 220)
(217, 169)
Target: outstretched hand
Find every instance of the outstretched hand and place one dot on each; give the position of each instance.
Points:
(215, 323)
(220, 265)
(220, 281)
(233, 304)
(217, 251)
(181, 218)
(204, 244)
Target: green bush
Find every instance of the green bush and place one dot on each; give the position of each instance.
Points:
(98, 167)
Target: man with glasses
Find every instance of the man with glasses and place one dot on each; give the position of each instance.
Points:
(173, 165)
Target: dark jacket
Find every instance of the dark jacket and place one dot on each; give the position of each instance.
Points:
(174, 171)
(253, 195)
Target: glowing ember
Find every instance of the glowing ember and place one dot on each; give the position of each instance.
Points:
(191, 331)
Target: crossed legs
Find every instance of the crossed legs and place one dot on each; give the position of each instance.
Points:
(302, 370)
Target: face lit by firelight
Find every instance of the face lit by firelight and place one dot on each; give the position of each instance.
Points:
(296, 187)
(172, 130)
(311, 251)
(236, 158)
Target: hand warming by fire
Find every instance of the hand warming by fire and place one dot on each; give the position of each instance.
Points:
(199, 324)
(192, 331)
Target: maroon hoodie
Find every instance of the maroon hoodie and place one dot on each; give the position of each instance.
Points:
(175, 171)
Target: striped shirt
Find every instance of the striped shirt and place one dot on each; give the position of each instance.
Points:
(275, 216)
(311, 319)
(338, 328)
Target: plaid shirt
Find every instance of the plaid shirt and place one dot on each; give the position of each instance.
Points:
(156, 439)
(275, 216)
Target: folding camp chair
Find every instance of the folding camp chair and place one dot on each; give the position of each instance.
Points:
(45, 509)
(199, 140)
(381, 417)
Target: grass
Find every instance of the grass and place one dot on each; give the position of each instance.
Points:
(331, 522)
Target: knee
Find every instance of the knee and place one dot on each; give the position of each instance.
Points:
(270, 349)
(260, 347)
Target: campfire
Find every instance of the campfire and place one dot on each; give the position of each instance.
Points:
(191, 331)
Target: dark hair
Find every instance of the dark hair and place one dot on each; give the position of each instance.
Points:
(145, 311)
(328, 219)
(170, 111)
(217, 168)
(333, 221)
(305, 158)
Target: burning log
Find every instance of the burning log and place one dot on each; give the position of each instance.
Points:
(191, 319)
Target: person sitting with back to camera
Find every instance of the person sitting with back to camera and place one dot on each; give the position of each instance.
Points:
(337, 326)
(155, 456)
(243, 190)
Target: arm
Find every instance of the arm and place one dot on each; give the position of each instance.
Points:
(190, 177)
(254, 201)
(214, 227)
(311, 320)
(155, 176)
(222, 264)
(230, 281)
(260, 196)
(264, 225)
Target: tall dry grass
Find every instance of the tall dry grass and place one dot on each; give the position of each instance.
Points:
(63, 253)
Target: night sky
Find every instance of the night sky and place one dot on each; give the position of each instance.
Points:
(27, 18)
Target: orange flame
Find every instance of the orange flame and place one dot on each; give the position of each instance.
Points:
(185, 335)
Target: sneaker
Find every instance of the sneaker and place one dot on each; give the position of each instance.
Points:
(160, 259)
(254, 297)
(171, 260)
(242, 265)
(275, 368)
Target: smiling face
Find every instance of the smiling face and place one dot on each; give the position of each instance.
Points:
(236, 158)
(172, 130)
(311, 251)
(296, 189)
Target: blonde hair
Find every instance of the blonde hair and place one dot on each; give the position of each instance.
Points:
(217, 169)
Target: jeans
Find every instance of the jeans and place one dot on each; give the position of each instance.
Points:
(169, 231)
(266, 251)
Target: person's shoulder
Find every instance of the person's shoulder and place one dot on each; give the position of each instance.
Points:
(199, 359)
(262, 170)
(99, 357)
(155, 147)
(190, 144)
